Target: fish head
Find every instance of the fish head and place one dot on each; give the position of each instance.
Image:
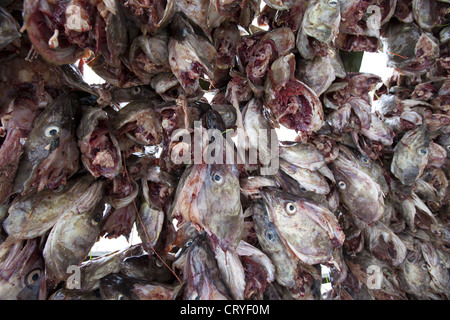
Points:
(9, 28)
(22, 272)
(353, 186)
(444, 141)
(219, 205)
(310, 230)
(414, 272)
(146, 267)
(385, 244)
(100, 151)
(411, 155)
(266, 231)
(436, 267)
(374, 170)
(202, 274)
(140, 123)
(53, 131)
(322, 20)
(117, 287)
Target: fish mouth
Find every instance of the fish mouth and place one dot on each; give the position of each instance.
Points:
(408, 176)
(267, 197)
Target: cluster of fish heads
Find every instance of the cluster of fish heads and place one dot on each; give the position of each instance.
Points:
(361, 189)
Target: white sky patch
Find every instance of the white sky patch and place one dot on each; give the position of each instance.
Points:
(209, 95)
(90, 76)
(325, 275)
(285, 134)
(109, 245)
(376, 63)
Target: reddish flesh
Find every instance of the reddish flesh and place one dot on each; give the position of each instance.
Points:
(255, 277)
(100, 141)
(290, 98)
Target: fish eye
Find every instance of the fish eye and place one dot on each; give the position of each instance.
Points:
(442, 264)
(51, 131)
(95, 220)
(448, 147)
(269, 235)
(33, 277)
(290, 208)
(59, 188)
(189, 242)
(120, 297)
(342, 184)
(218, 178)
(425, 267)
(97, 293)
(158, 263)
(422, 151)
(136, 90)
(303, 189)
(333, 3)
(365, 160)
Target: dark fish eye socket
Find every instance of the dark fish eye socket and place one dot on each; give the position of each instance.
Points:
(33, 277)
(290, 208)
(365, 160)
(448, 147)
(303, 189)
(422, 151)
(218, 178)
(269, 235)
(51, 131)
(424, 267)
(59, 188)
(342, 184)
(136, 90)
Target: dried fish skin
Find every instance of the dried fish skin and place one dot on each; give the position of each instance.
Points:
(50, 153)
(411, 155)
(310, 231)
(22, 272)
(34, 214)
(100, 150)
(410, 50)
(202, 275)
(70, 241)
(353, 186)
